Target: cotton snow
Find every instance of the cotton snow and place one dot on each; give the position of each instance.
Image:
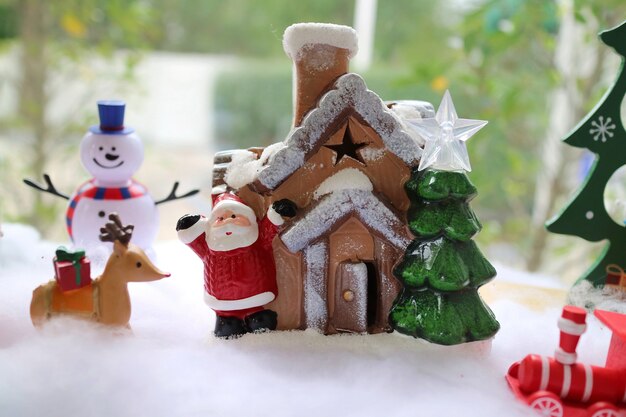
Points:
(171, 365)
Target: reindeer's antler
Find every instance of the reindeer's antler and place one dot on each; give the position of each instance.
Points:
(114, 230)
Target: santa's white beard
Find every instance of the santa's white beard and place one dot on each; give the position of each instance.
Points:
(230, 236)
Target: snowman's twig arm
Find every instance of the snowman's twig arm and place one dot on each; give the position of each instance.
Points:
(50, 189)
(173, 195)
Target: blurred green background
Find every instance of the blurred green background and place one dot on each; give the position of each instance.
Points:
(533, 68)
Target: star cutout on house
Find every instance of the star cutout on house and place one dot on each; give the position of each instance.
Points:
(347, 147)
(445, 136)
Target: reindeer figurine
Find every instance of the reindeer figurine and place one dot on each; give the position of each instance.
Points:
(106, 299)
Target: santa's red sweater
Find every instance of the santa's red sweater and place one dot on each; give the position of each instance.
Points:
(240, 273)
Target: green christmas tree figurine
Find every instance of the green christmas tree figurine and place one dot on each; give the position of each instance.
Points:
(602, 132)
(443, 268)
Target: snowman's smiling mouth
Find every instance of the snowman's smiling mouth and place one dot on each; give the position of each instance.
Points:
(114, 157)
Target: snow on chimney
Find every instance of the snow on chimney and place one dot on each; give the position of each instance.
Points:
(320, 52)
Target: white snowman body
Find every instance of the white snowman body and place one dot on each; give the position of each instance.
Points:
(112, 159)
(91, 212)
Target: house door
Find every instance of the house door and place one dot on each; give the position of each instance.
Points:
(355, 297)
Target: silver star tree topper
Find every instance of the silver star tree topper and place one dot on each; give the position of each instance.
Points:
(445, 136)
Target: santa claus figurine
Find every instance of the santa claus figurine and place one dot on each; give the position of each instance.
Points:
(239, 269)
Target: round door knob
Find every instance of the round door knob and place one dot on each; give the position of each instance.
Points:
(348, 295)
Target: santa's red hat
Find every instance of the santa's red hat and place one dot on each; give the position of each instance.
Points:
(232, 202)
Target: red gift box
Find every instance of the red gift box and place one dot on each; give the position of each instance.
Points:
(72, 270)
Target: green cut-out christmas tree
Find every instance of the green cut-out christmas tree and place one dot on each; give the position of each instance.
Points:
(443, 268)
(602, 132)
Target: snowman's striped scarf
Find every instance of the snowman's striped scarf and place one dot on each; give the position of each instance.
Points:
(90, 190)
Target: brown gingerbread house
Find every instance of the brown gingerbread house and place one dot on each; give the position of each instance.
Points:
(344, 165)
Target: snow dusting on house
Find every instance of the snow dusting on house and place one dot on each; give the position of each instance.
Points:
(315, 308)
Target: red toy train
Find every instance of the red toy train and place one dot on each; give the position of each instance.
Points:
(561, 387)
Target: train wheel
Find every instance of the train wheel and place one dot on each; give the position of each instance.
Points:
(547, 404)
(603, 409)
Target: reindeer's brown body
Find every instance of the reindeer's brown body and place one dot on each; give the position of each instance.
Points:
(106, 299)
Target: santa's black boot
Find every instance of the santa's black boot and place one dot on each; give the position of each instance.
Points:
(229, 327)
(262, 321)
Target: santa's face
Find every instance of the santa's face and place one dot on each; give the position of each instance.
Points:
(229, 230)
(111, 158)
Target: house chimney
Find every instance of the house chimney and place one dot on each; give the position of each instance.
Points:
(320, 53)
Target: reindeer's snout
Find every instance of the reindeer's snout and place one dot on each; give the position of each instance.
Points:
(161, 274)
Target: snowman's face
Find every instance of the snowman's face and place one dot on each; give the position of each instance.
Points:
(111, 158)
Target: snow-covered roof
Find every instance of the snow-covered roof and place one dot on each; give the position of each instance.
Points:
(301, 34)
(335, 207)
(349, 94)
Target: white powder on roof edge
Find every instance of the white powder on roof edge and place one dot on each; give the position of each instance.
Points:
(331, 208)
(350, 91)
(300, 34)
(349, 178)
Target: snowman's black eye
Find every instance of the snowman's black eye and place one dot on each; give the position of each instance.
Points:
(100, 148)
(101, 213)
(113, 148)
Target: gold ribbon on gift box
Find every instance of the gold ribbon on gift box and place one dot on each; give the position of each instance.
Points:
(615, 275)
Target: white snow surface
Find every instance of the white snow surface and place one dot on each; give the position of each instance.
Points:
(349, 178)
(244, 166)
(171, 365)
(349, 91)
(301, 34)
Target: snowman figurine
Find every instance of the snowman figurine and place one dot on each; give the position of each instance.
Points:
(112, 153)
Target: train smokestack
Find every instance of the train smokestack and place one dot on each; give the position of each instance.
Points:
(572, 326)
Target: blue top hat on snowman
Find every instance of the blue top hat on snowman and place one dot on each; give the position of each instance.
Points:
(111, 114)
